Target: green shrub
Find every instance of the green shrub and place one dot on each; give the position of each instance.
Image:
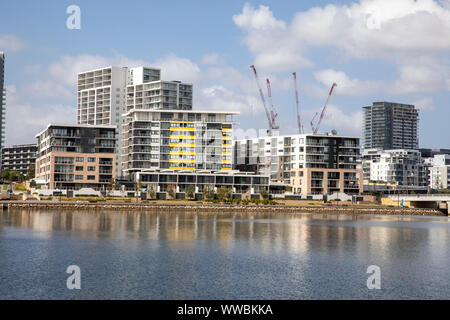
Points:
(20, 187)
(265, 195)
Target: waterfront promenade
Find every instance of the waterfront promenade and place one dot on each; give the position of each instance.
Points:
(175, 206)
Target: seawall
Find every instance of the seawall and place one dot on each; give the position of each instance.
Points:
(220, 207)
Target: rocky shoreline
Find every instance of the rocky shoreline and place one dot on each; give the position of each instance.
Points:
(223, 208)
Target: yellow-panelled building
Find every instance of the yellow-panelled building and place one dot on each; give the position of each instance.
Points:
(178, 140)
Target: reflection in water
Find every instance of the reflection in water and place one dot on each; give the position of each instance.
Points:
(246, 255)
(291, 231)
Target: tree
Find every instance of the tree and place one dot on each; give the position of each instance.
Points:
(12, 175)
(152, 192)
(265, 194)
(31, 171)
(112, 185)
(137, 186)
(171, 190)
(208, 192)
(224, 194)
(190, 192)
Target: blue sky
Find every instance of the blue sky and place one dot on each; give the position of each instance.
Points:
(376, 50)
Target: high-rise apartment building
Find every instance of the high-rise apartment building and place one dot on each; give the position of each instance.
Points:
(105, 95)
(390, 125)
(177, 139)
(309, 163)
(71, 157)
(2, 99)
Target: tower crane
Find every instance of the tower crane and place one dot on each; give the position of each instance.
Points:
(269, 119)
(273, 113)
(316, 128)
(299, 124)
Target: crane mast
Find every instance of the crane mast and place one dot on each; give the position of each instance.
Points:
(273, 113)
(324, 108)
(299, 124)
(269, 119)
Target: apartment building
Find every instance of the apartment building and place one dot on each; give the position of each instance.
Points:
(106, 94)
(2, 99)
(71, 157)
(400, 167)
(238, 182)
(177, 139)
(389, 125)
(309, 163)
(438, 171)
(19, 157)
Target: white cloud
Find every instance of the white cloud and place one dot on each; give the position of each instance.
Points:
(401, 32)
(220, 98)
(344, 123)
(261, 19)
(176, 68)
(25, 120)
(425, 104)
(212, 59)
(11, 43)
(268, 39)
(422, 77)
(51, 89)
(377, 28)
(345, 85)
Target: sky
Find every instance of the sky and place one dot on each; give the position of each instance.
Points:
(375, 50)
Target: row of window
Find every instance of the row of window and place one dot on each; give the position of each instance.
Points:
(70, 159)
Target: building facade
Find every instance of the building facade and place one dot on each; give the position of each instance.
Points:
(178, 140)
(2, 99)
(438, 171)
(390, 126)
(238, 182)
(399, 167)
(19, 157)
(105, 95)
(309, 163)
(71, 157)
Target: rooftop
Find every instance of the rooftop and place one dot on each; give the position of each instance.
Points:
(75, 126)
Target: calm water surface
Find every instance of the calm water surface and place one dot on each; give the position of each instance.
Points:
(130, 255)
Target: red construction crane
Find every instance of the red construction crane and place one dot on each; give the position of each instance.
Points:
(299, 124)
(273, 113)
(323, 110)
(269, 119)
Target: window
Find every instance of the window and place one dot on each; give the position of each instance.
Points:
(91, 177)
(91, 159)
(79, 159)
(78, 177)
(91, 168)
(79, 168)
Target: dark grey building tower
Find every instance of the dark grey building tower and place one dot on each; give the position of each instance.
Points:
(389, 125)
(2, 99)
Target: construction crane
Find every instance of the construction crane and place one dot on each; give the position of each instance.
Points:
(299, 124)
(316, 128)
(269, 119)
(273, 113)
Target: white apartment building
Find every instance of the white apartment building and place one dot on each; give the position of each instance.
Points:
(401, 167)
(177, 140)
(106, 94)
(438, 171)
(309, 163)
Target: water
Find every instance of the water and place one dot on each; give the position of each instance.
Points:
(130, 255)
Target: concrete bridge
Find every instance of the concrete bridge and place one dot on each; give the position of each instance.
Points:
(435, 201)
